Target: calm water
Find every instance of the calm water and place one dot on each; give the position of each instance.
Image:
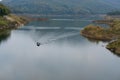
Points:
(63, 55)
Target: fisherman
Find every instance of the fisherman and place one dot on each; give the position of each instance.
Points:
(38, 43)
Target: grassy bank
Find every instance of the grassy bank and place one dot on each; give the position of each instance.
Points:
(11, 21)
(114, 47)
(105, 34)
(8, 20)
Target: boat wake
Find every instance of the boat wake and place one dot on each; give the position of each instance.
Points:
(49, 37)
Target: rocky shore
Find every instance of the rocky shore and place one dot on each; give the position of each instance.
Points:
(111, 34)
(114, 47)
(12, 21)
(9, 20)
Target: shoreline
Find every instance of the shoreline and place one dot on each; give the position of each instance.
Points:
(110, 35)
(12, 21)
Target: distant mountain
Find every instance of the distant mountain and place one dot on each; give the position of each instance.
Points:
(59, 7)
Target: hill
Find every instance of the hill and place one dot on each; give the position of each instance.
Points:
(4, 10)
(59, 7)
(8, 20)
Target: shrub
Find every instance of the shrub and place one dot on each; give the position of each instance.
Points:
(4, 10)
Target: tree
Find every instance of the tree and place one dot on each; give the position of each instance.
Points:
(4, 10)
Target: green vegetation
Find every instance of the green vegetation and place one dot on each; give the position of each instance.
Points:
(12, 21)
(9, 21)
(3, 22)
(61, 7)
(97, 32)
(114, 47)
(4, 10)
(105, 34)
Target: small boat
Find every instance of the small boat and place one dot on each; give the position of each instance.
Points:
(38, 43)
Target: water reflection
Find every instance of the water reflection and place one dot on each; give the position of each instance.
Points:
(67, 56)
(104, 45)
(4, 35)
(116, 54)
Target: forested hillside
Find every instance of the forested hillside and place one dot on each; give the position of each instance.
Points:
(59, 7)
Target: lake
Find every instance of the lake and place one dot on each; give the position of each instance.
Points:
(63, 54)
